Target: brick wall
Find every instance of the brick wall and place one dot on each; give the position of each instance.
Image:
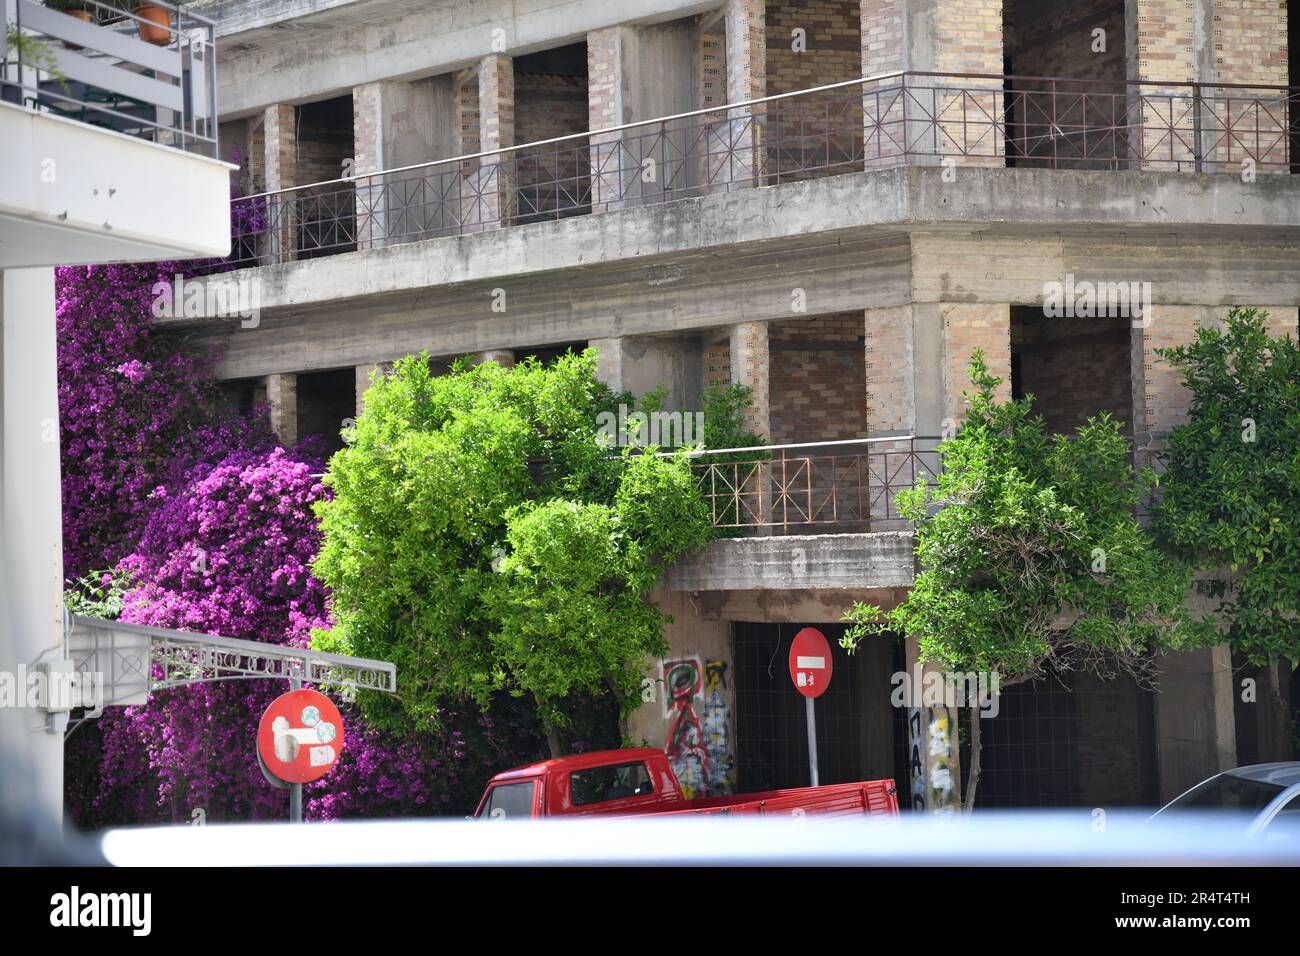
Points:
(817, 378)
(1160, 399)
(968, 36)
(833, 37)
(881, 30)
(890, 371)
(967, 327)
(1108, 752)
(1250, 41)
(1075, 368)
(548, 106)
(750, 365)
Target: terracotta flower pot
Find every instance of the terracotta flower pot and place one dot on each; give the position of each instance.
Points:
(156, 29)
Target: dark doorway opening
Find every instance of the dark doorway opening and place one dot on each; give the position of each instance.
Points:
(856, 731)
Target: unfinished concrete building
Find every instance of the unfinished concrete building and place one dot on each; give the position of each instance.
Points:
(832, 202)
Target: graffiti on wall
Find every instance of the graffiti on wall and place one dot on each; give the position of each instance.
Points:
(931, 760)
(699, 719)
(717, 727)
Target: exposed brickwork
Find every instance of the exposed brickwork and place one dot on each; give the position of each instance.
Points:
(1074, 368)
(717, 364)
(1165, 40)
(1250, 41)
(966, 328)
(746, 26)
(890, 371)
(1161, 401)
(1107, 751)
(968, 36)
(881, 29)
(750, 365)
(326, 138)
(602, 78)
(496, 107)
(834, 46)
(817, 378)
(280, 144)
(711, 67)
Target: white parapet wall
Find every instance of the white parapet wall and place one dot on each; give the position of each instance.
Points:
(75, 193)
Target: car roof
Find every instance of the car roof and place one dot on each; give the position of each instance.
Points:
(597, 758)
(1284, 774)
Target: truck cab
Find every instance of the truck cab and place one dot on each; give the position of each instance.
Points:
(610, 781)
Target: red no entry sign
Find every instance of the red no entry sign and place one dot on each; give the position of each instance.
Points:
(300, 736)
(810, 662)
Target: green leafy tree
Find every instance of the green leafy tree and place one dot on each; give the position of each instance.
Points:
(1030, 557)
(1231, 490)
(482, 536)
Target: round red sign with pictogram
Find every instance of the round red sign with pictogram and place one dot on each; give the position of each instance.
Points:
(810, 662)
(300, 736)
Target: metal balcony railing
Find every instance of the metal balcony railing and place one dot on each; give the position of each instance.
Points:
(870, 123)
(815, 488)
(840, 486)
(101, 70)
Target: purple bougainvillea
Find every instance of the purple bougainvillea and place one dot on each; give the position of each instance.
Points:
(211, 523)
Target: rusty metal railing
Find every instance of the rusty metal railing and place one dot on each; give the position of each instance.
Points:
(869, 123)
(804, 488)
(840, 486)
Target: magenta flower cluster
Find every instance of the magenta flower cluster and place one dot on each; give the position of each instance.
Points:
(211, 522)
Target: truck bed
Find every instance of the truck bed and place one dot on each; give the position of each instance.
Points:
(842, 800)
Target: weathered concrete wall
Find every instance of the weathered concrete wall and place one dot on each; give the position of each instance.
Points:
(399, 40)
(641, 364)
(805, 563)
(1195, 731)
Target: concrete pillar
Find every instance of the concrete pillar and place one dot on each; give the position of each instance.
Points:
(496, 105)
(282, 397)
(746, 32)
(694, 682)
(1195, 726)
(365, 375)
(503, 357)
(941, 36)
(395, 125)
(281, 164)
(637, 73)
(31, 551)
(641, 364)
(750, 365)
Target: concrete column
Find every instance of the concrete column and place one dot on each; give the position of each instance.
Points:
(1195, 726)
(365, 375)
(496, 104)
(395, 125)
(281, 164)
(503, 357)
(695, 681)
(934, 749)
(641, 364)
(746, 32)
(750, 366)
(282, 397)
(636, 74)
(942, 36)
(31, 551)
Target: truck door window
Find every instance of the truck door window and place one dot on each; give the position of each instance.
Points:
(609, 783)
(511, 801)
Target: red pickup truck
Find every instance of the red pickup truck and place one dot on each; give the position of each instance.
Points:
(630, 782)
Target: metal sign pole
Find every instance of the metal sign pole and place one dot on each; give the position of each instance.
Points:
(812, 741)
(295, 789)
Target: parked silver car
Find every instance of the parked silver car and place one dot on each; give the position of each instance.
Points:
(1267, 795)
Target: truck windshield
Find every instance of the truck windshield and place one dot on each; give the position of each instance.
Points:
(510, 800)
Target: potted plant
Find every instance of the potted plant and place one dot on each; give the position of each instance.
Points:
(155, 23)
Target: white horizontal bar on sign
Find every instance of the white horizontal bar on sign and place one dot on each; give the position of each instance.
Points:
(96, 73)
(810, 663)
(124, 47)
